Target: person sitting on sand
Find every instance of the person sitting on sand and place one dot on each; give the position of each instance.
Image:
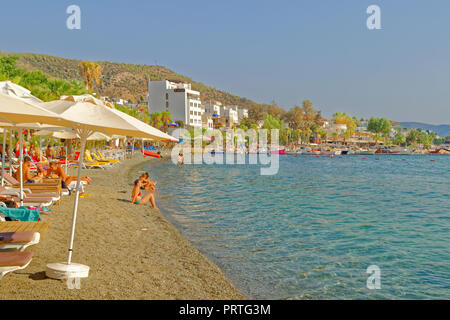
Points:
(26, 172)
(146, 183)
(137, 198)
(57, 170)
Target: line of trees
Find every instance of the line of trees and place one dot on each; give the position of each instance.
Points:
(40, 85)
(300, 123)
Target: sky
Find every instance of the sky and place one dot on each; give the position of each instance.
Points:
(282, 51)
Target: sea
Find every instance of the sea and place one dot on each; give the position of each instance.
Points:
(346, 227)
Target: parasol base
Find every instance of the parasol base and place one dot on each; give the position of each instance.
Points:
(63, 270)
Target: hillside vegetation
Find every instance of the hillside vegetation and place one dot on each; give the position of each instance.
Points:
(121, 80)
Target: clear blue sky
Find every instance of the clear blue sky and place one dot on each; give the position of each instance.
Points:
(285, 51)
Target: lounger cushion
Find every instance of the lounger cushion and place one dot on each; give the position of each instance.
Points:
(17, 237)
(33, 200)
(15, 259)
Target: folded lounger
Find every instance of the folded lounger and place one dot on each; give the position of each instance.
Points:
(18, 240)
(12, 261)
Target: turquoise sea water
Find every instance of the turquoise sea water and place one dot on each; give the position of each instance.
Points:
(311, 231)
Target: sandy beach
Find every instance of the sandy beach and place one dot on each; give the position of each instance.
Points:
(133, 251)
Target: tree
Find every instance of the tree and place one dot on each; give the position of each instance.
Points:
(295, 118)
(412, 137)
(165, 119)
(379, 126)
(91, 72)
(155, 119)
(343, 118)
(8, 67)
(399, 139)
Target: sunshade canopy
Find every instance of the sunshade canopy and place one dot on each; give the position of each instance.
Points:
(14, 111)
(64, 133)
(90, 114)
(14, 90)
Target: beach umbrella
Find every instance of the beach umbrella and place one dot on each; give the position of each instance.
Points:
(67, 133)
(15, 112)
(92, 115)
(14, 90)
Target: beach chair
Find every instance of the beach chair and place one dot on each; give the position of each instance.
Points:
(107, 159)
(12, 261)
(49, 186)
(27, 193)
(18, 241)
(97, 158)
(91, 162)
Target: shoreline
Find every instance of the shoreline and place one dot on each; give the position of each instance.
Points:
(134, 252)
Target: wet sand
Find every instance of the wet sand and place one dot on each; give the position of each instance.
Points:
(133, 251)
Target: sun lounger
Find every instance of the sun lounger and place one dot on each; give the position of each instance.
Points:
(27, 193)
(100, 157)
(19, 240)
(89, 158)
(48, 186)
(107, 159)
(12, 261)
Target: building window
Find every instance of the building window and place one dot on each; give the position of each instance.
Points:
(167, 105)
(167, 96)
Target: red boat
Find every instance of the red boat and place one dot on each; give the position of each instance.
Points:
(278, 151)
(151, 154)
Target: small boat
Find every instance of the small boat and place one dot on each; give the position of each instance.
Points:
(366, 152)
(281, 151)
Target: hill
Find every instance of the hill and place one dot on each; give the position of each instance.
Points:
(442, 130)
(122, 80)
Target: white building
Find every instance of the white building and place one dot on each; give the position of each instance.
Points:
(230, 113)
(119, 101)
(207, 121)
(179, 99)
(213, 108)
(242, 113)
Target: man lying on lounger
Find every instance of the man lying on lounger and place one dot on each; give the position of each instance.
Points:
(137, 198)
(57, 170)
(26, 172)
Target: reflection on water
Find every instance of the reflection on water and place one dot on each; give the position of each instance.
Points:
(312, 230)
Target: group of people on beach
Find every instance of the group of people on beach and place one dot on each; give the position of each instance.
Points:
(144, 185)
(46, 167)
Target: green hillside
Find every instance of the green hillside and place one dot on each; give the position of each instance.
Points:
(121, 80)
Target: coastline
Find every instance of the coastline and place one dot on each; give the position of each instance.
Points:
(134, 252)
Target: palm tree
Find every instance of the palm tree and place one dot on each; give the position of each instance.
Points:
(165, 119)
(155, 120)
(91, 72)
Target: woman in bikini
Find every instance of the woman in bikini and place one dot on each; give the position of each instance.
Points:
(137, 198)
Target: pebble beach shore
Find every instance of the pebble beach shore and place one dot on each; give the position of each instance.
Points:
(133, 251)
